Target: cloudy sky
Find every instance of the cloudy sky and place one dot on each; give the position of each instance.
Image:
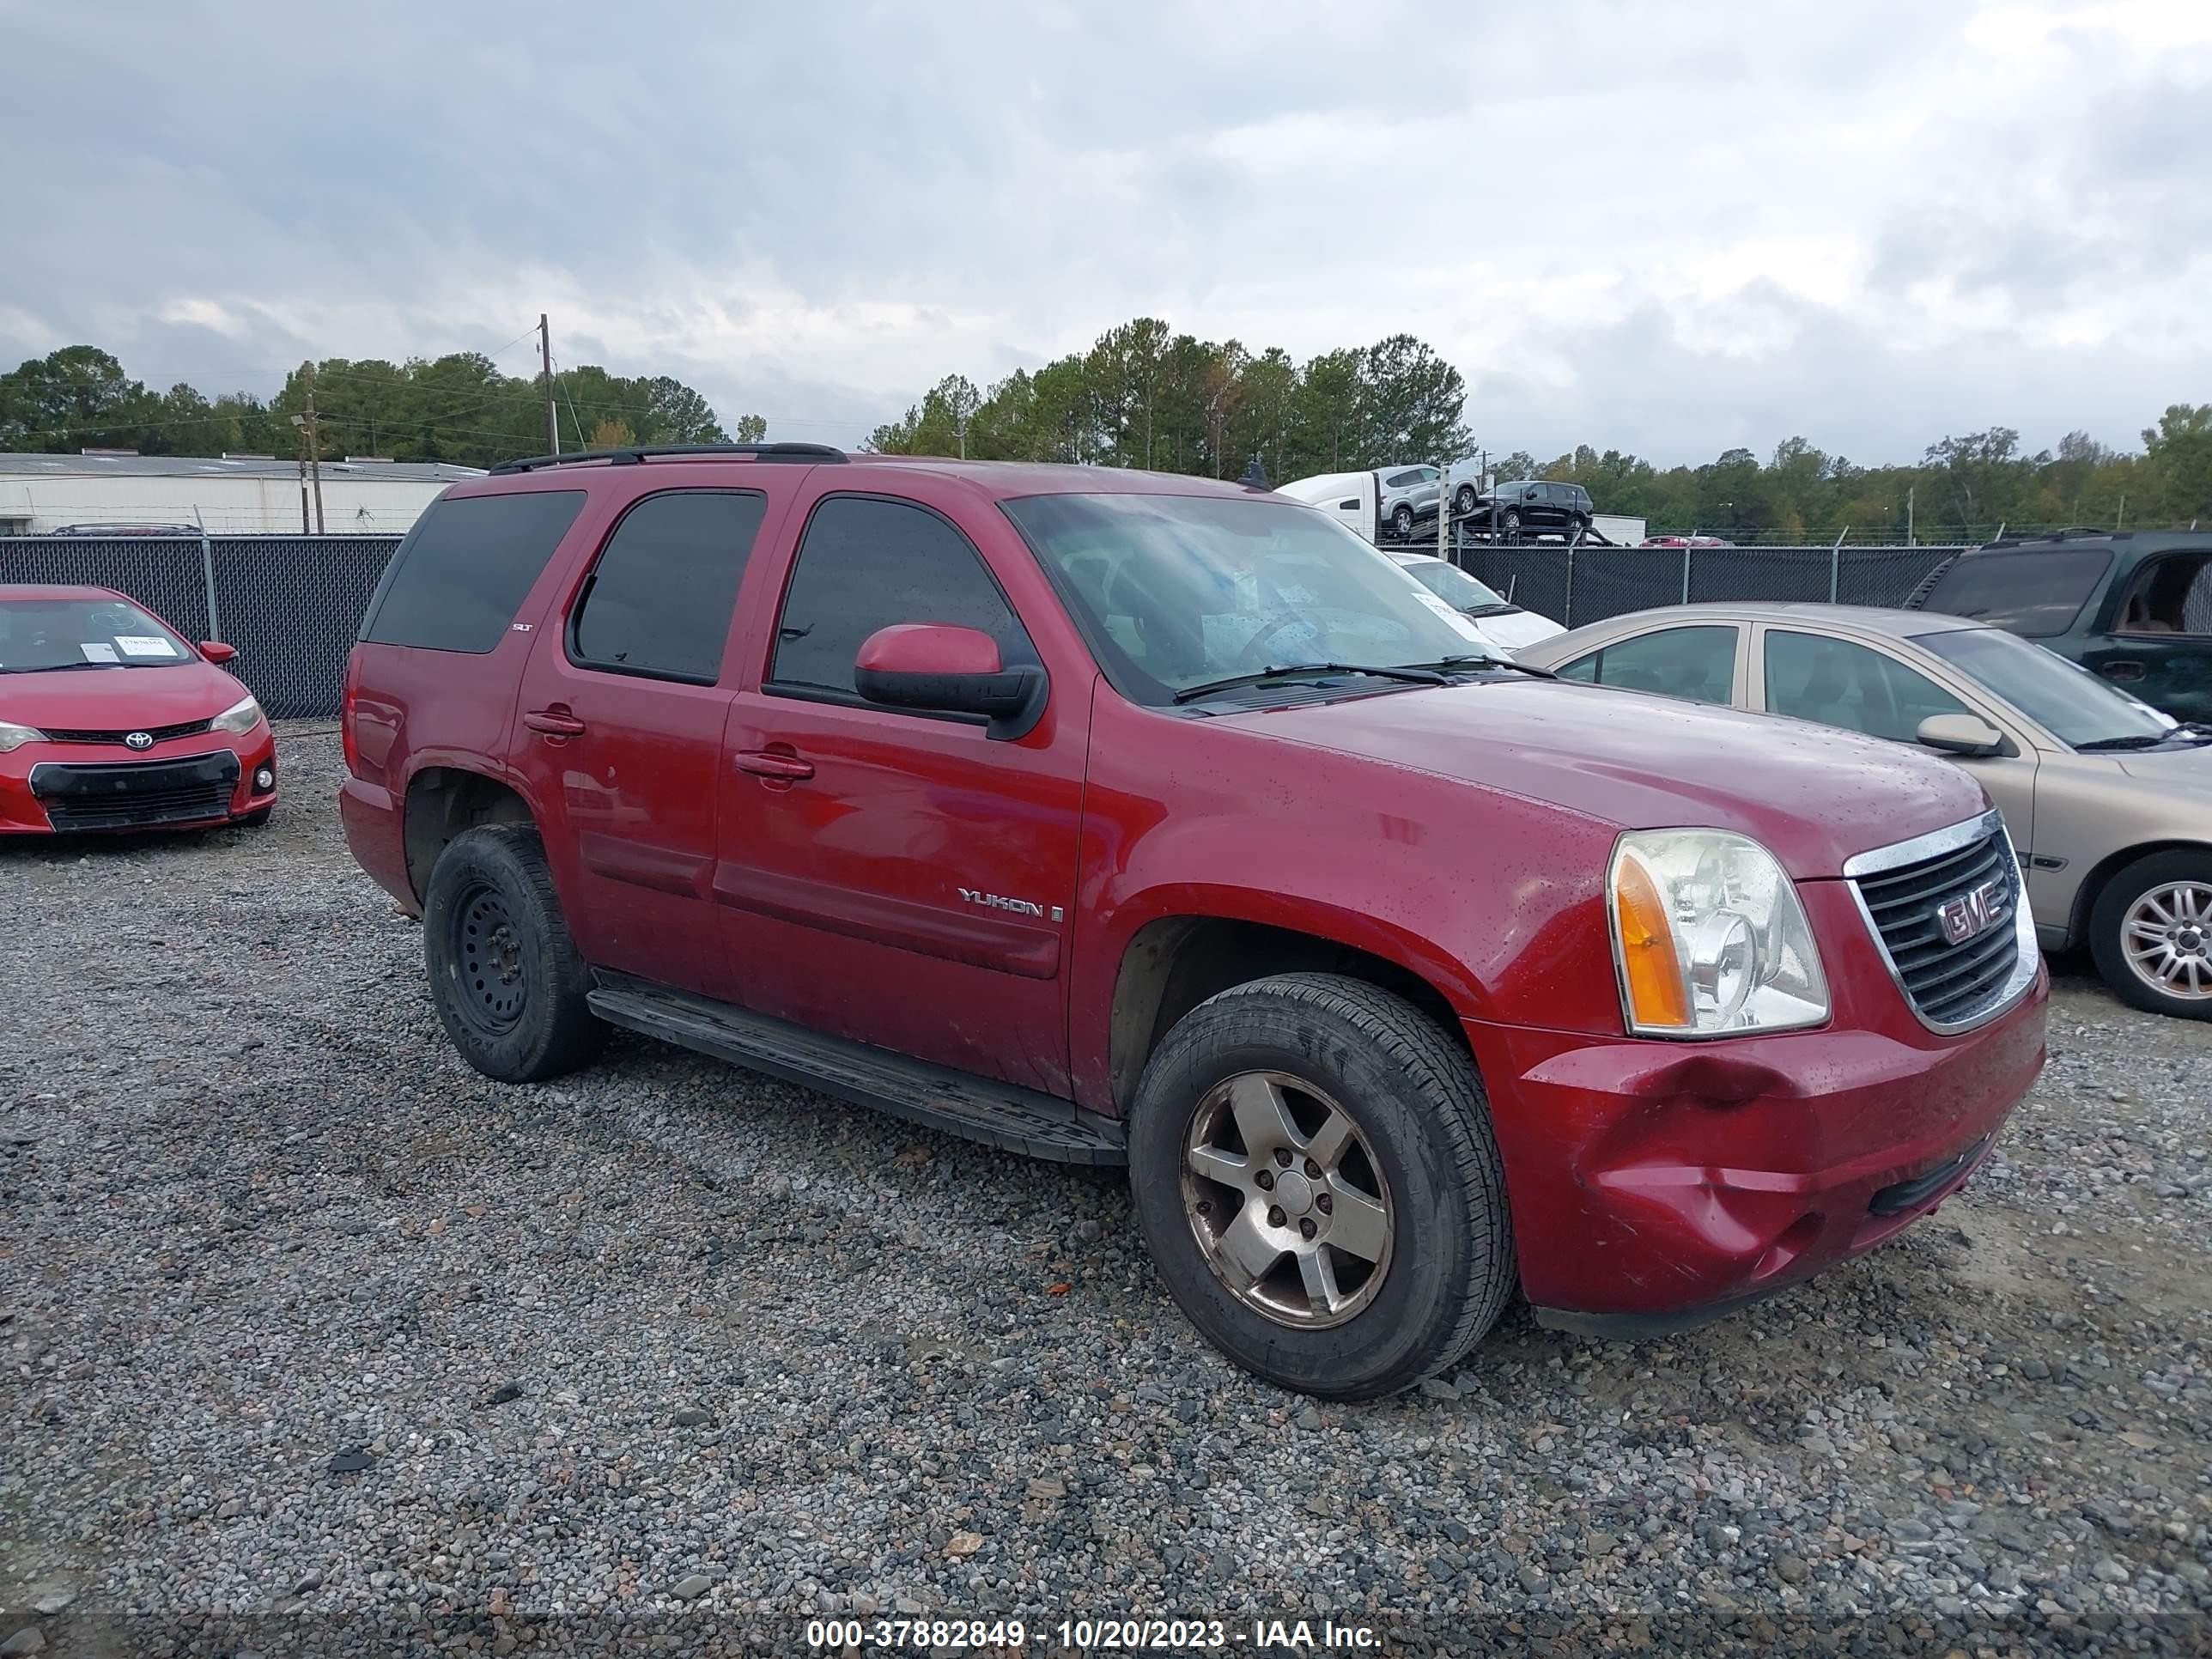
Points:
(1669, 227)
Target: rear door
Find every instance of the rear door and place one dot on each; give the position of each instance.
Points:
(2160, 649)
(620, 730)
(893, 877)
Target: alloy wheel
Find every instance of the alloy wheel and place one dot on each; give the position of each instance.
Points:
(2168, 936)
(1286, 1200)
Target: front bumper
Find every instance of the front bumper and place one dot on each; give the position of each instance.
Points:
(1654, 1185)
(51, 788)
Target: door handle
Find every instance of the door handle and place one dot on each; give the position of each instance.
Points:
(554, 722)
(762, 764)
(2121, 670)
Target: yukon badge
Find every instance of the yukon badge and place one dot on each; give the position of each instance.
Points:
(996, 901)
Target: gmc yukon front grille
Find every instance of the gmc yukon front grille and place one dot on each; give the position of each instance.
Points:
(1949, 915)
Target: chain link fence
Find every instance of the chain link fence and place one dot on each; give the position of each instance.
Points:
(1578, 584)
(290, 604)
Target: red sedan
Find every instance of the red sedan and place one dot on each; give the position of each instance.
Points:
(109, 719)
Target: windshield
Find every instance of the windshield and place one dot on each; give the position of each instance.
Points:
(86, 633)
(2064, 698)
(1178, 591)
(1453, 586)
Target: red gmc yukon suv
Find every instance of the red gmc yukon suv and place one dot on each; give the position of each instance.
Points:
(1115, 817)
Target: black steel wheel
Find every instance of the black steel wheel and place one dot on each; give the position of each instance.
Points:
(505, 976)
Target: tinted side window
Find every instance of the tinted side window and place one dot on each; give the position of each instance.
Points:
(1840, 683)
(659, 599)
(1400, 480)
(2169, 595)
(866, 563)
(456, 582)
(2035, 594)
(1697, 662)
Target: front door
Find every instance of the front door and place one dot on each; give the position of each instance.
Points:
(622, 718)
(1817, 676)
(901, 878)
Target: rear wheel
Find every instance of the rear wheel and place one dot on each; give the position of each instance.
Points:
(505, 977)
(2151, 934)
(1315, 1172)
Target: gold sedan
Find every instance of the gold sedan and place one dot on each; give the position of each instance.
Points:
(2109, 802)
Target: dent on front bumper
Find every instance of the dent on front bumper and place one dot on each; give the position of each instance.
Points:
(24, 808)
(1656, 1185)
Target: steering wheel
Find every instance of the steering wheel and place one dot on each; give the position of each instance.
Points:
(1251, 659)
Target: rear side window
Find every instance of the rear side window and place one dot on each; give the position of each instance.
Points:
(1697, 662)
(658, 602)
(2169, 595)
(464, 570)
(2036, 595)
(866, 563)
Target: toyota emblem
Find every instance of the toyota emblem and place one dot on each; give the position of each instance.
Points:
(140, 741)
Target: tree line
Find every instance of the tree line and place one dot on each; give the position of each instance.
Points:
(457, 408)
(1145, 396)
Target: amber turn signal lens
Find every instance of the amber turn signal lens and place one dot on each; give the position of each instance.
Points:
(1658, 996)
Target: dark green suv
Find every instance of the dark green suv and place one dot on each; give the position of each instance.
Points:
(2133, 606)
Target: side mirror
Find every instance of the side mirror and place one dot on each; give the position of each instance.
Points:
(949, 671)
(216, 652)
(1961, 734)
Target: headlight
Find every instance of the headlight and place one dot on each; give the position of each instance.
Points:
(241, 716)
(1710, 937)
(15, 736)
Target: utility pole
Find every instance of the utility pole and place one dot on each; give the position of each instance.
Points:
(1908, 517)
(311, 458)
(545, 353)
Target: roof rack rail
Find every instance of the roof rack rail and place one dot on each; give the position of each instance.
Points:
(632, 454)
(2026, 539)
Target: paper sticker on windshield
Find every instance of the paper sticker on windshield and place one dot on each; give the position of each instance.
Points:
(144, 645)
(1465, 625)
(98, 653)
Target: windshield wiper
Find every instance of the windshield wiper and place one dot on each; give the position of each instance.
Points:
(2136, 740)
(59, 667)
(1483, 661)
(1411, 673)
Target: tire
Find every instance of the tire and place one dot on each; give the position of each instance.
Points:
(1463, 502)
(1512, 523)
(1416, 1110)
(2167, 894)
(1401, 521)
(256, 818)
(505, 977)
(1577, 524)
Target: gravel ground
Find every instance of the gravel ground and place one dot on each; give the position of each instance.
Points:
(310, 1332)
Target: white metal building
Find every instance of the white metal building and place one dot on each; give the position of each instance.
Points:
(229, 495)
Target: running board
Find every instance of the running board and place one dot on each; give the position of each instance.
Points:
(1002, 1115)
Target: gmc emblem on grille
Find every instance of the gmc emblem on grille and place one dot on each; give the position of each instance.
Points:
(1972, 912)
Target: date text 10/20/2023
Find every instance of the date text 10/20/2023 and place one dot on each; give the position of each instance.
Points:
(1090, 1635)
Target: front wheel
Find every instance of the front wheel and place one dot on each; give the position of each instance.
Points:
(1511, 522)
(507, 982)
(1314, 1171)
(1401, 521)
(2150, 932)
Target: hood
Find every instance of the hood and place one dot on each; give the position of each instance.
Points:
(1515, 628)
(2178, 768)
(1813, 795)
(117, 698)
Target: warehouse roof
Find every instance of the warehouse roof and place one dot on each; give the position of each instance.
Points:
(222, 466)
